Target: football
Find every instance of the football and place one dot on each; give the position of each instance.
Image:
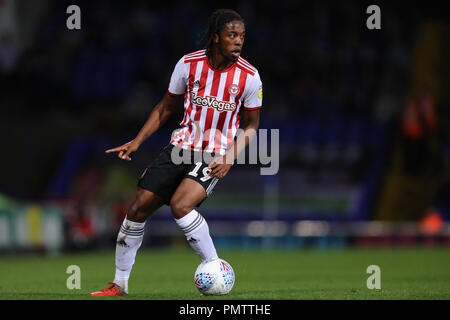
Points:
(214, 277)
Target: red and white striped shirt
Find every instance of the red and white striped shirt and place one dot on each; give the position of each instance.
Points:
(212, 101)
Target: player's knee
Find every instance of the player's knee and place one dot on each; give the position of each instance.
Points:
(180, 208)
(135, 212)
(132, 212)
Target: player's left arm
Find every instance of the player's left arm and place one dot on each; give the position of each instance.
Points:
(221, 165)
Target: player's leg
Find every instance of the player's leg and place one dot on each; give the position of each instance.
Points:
(130, 239)
(131, 233)
(144, 205)
(161, 177)
(187, 196)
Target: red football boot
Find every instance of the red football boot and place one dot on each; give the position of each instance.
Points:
(112, 290)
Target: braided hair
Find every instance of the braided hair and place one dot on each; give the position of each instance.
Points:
(216, 22)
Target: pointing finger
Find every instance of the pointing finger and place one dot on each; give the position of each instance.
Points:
(115, 149)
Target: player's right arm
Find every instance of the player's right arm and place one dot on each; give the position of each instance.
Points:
(159, 115)
(162, 111)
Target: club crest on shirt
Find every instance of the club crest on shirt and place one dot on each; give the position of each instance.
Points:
(234, 90)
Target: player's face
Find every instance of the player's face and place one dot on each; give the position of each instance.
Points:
(231, 40)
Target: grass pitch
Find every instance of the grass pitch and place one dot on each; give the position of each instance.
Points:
(304, 274)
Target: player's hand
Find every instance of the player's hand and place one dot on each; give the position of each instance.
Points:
(220, 167)
(125, 150)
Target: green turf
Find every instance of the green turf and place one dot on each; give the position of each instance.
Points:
(302, 274)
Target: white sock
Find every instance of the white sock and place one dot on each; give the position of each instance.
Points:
(129, 240)
(196, 231)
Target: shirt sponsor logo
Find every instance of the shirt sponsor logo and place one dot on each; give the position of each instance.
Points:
(212, 102)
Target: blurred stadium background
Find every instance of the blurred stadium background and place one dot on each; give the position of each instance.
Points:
(363, 119)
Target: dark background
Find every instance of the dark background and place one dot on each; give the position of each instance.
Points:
(337, 91)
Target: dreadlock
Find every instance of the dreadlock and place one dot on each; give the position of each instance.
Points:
(216, 22)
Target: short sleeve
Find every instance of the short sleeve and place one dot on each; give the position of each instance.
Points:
(253, 98)
(178, 80)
